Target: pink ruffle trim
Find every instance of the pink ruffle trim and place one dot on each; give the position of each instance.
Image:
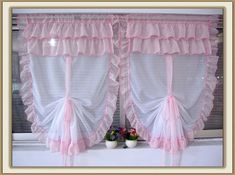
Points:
(111, 99)
(72, 47)
(208, 97)
(170, 46)
(156, 37)
(27, 98)
(177, 30)
(53, 35)
(68, 30)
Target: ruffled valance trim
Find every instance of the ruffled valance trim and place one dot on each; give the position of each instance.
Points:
(176, 30)
(71, 30)
(65, 47)
(159, 46)
(157, 37)
(63, 35)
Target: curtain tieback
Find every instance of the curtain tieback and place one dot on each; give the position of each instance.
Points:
(171, 110)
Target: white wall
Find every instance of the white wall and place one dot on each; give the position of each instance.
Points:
(203, 152)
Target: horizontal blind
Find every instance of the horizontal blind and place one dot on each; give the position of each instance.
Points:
(215, 120)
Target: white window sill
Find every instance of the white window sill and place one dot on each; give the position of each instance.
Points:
(201, 152)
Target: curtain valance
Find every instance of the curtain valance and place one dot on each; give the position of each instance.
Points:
(55, 35)
(166, 67)
(157, 37)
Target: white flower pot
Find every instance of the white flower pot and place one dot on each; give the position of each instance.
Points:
(110, 144)
(131, 143)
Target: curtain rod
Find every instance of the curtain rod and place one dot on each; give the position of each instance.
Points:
(211, 18)
(126, 16)
(195, 20)
(123, 11)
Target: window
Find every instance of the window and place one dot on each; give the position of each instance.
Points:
(21, 125)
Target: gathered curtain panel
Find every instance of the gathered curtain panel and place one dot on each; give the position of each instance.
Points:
(70, 66)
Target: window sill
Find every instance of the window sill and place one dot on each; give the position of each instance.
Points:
(34, 154)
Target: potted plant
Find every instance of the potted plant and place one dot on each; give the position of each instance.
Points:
(111, 138)
(122, 134)
(131, 138)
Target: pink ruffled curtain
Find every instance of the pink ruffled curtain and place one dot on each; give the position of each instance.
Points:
(148, 47)
(167, 77)
(69, 74)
